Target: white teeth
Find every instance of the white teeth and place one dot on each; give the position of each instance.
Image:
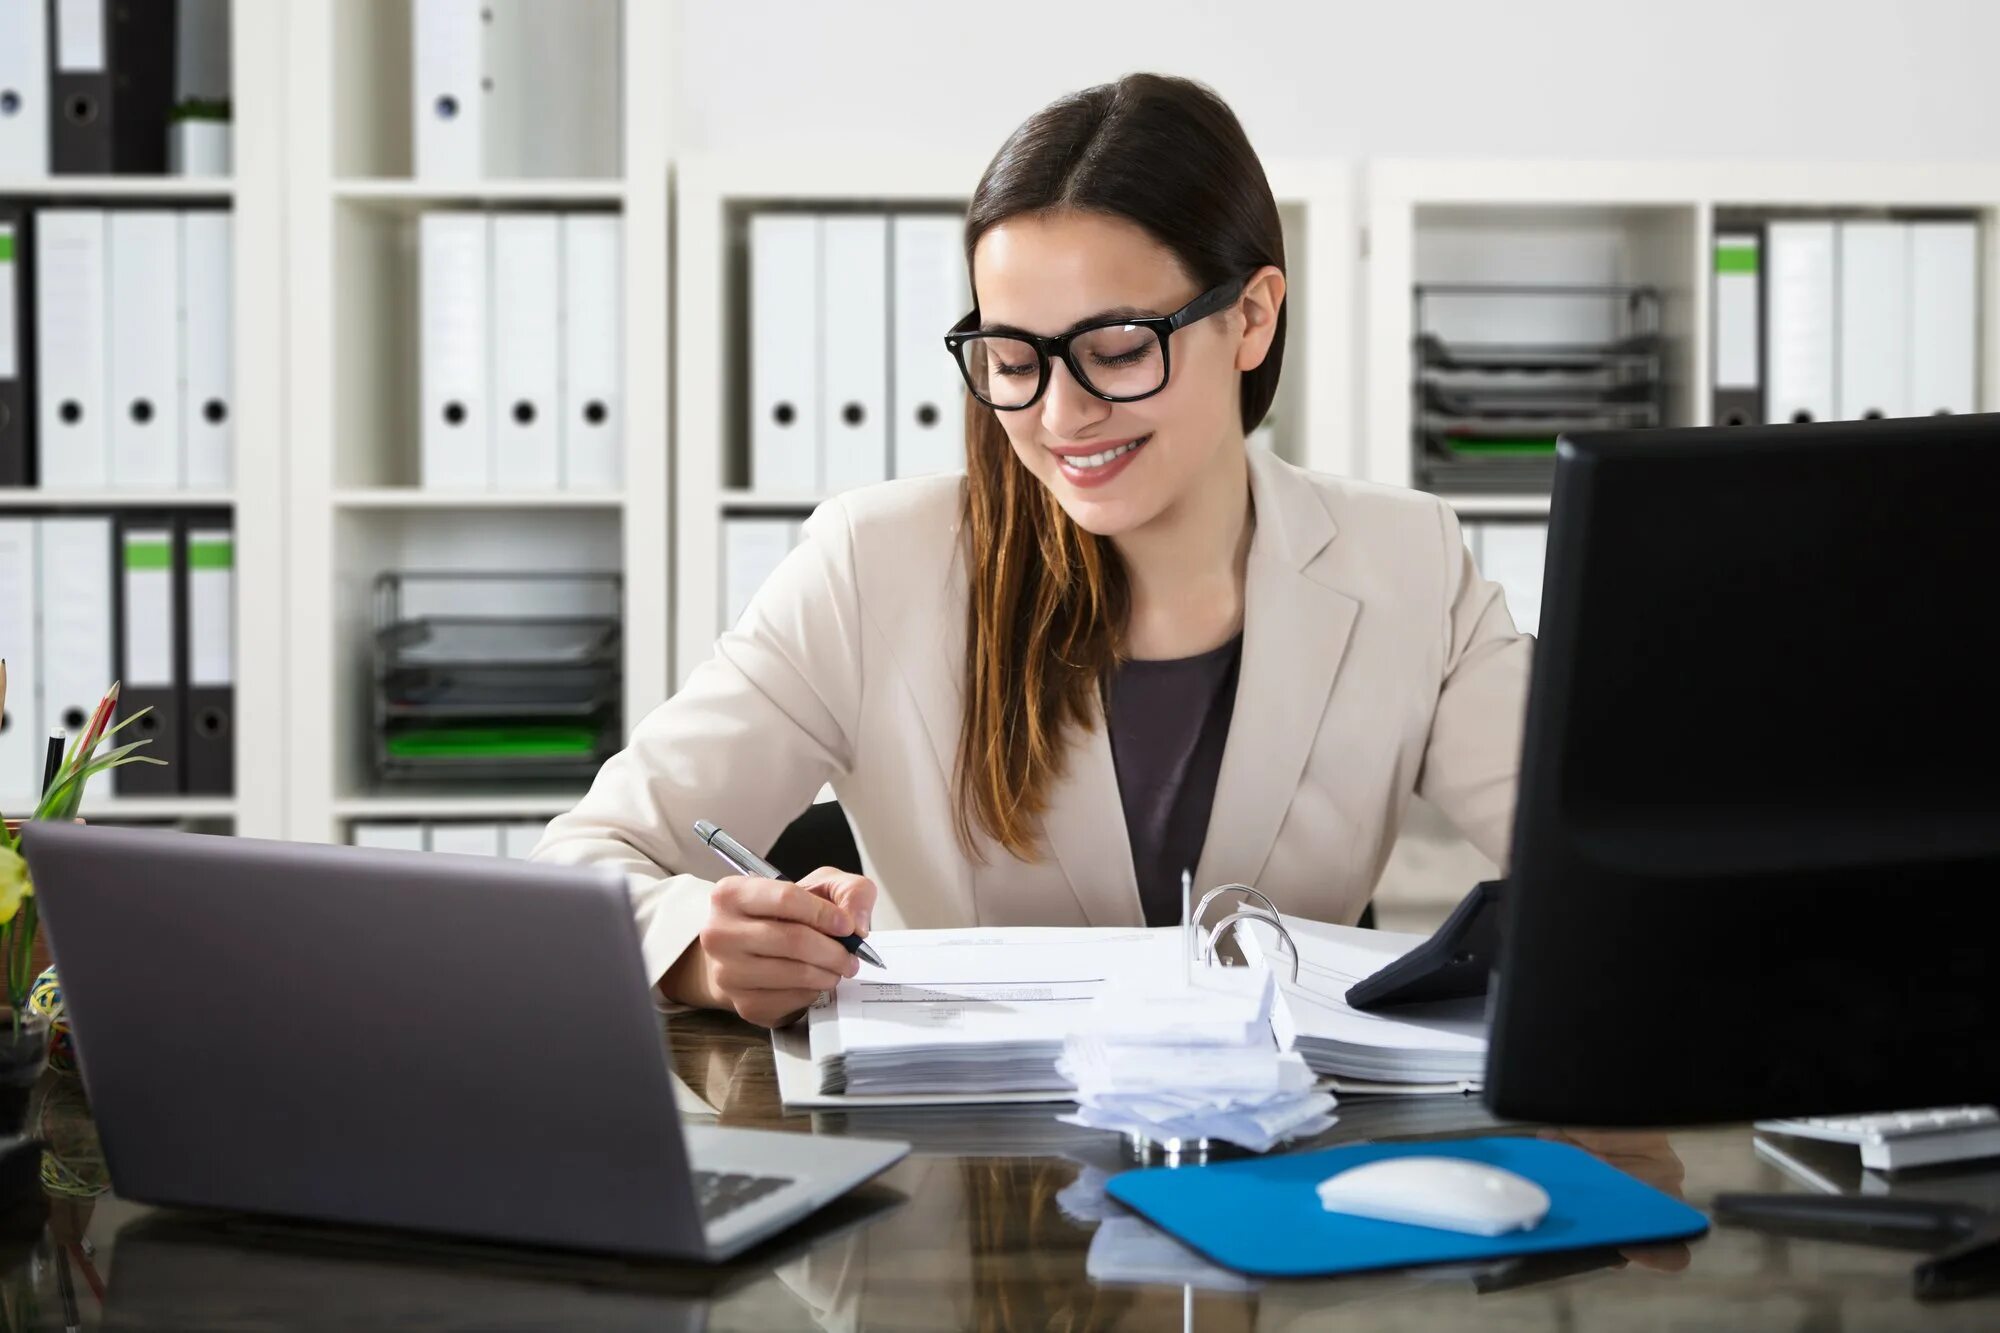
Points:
(1099, 460)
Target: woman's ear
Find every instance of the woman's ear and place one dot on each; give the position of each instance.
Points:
(1262, 298)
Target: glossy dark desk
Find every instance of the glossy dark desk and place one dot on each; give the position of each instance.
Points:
(990, 1225)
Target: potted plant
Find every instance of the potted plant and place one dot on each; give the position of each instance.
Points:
(198, 142)
(23, 1034)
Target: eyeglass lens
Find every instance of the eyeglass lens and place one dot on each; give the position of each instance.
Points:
(1117, 361)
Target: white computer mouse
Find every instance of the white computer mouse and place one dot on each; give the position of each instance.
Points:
(1451, 1193)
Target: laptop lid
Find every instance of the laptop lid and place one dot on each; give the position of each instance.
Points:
(442, 1043)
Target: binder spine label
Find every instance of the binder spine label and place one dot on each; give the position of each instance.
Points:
(149, 610)
(211, 559)
(80, 36)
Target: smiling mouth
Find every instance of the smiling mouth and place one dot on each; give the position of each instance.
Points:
(1085, 462)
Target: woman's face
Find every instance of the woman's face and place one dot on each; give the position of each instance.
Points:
(1049, 273)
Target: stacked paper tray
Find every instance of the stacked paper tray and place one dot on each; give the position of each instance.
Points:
(495, 675)
(1501, 370)
(1418, 1048)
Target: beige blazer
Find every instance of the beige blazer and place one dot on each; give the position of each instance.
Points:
(1376, 663)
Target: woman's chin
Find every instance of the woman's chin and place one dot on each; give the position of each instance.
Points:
(1106, 516)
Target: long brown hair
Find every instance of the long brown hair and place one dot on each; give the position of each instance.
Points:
(1048, 600)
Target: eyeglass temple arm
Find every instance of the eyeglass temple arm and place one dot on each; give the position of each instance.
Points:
(1205, 306)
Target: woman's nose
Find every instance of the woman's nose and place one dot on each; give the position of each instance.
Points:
(1067, 407)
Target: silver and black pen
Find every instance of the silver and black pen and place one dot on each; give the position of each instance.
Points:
(748, 862)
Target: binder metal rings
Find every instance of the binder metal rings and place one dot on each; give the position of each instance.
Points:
(1203, 947)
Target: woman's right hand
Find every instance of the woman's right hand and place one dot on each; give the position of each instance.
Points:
(770, 947)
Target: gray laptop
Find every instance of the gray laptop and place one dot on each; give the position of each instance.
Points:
(443, 1043)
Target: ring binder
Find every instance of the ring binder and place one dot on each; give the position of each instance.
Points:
(1252, 914)
(1203, 950)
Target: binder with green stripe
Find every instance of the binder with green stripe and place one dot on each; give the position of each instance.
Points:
(150, 649)
(176, 640)
(209, 572)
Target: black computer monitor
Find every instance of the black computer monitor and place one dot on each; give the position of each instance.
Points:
(1756, 856)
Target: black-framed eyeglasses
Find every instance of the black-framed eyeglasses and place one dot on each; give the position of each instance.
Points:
(1119, 360)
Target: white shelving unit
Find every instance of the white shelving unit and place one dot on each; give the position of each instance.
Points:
(443, 804)
(33, 497)
(419, 194)
(179, 189)
(1315, 409)
(131, 808)
(408, 497)
(1651, 221)
(354, 508)
(255, 198)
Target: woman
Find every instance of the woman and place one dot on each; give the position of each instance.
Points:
(1122, 645)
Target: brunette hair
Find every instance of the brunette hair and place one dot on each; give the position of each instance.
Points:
(1048, 600)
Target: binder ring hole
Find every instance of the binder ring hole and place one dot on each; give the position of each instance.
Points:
(73, 719)
(1872, 414)
(595, 412)
(447, 107)
(142, 410)
(853, 414)
(149, 722)
(71, 412)
(927, 415)
(454, 414)
(6, 722)
(1737, 419)
(784, 414)
(10, 102)
(81, 110)
(1802, 416)
(524, 413)
(215, 411)
(209, 722)
(1940, 411)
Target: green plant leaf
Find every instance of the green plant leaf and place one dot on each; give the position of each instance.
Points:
(14, 885)
(65, 795)
(121, 724)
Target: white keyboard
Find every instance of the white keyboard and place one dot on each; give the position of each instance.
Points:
(1895, 1140)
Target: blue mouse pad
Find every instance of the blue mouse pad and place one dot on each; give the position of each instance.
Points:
(1264, 1216)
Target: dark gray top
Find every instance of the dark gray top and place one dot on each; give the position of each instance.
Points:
(1169, 721)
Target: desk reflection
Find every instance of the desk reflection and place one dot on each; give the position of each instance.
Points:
(1024, 1236)
(997, 1221)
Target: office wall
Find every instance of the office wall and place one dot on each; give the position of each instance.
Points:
(1820, 79)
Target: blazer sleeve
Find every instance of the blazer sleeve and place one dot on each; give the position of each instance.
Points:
(746, 743)
(1472, 756)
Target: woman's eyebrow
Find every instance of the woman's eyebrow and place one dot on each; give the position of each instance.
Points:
(1101, 317)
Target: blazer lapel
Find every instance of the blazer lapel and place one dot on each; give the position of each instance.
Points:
(1085, 828)
(1295, 631)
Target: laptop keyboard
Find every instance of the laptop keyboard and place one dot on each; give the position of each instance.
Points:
(723, 1192)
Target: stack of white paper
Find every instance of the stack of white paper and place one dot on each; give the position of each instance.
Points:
(1191, 1060)
(971, 1011)
(1414, 1049)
